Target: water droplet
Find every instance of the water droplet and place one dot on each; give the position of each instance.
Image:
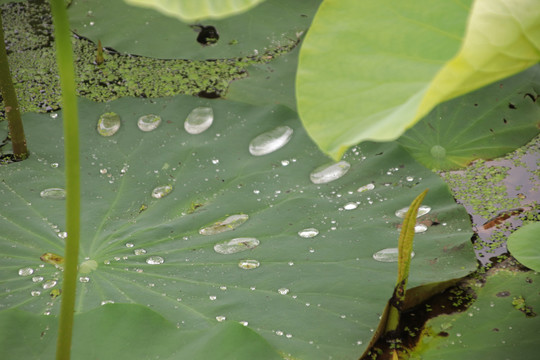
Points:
(35, 293)
(62, 235)
(49, 284)
(270, 141)
(130, 245)
(283, 291)
(223, 287)
(420, 228)
(366, 188)
(139, 251)
(249, 264)
(103, 171)
(388, 255)
(88, 266)
(308, 233)
(284, 162)
(108, 124)
(161, 191)
(104, 302)
(236, 245)
(327, 173)
(215, 161)
(409, 178)
(288, 336)
(350, 206)
(199, 120)
(26, 271)
(245, 323)
(54, 165)
(149, 122)
(279, 333)
(54, 115)
(155, 260)
(221, 318)
(212, 297)
(84, 279)
(229, 223)
(438, 152)
(422, 210)
(53, 193)
(37, 279)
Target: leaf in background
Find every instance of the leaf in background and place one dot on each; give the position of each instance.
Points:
(127, 331)
(273, 24)
(190, 11)
(314, 242)
(493, 328)
(370, 70)
(487, 123)
(524, 245)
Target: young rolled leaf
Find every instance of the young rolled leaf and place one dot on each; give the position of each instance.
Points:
(357, 80)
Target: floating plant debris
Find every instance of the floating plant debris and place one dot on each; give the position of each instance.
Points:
(161, 191)
(149, 122)
(327, 173)
(53, 193)
(199, 120)
(270, 141)
(52, 259)
(230, 223)
(248, 264)
(108, 124)
(236, 245)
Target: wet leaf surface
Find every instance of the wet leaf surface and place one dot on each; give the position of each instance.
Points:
(149, 250)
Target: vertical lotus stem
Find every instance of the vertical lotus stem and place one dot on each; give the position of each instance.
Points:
(16, 131)
(64, 57)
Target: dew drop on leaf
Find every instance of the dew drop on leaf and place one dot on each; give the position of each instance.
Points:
(53, 193)
(422, 210)
(35, 293)
(88, 266)
(327, 173)
(245, 323)
(438, 152)
(283, 291)
(248, 264)
(37, 279)
(366, 188)
(308, 233)
(104, 302)
(139, 251)
(230, 223)
(199, 120)
(270, 141)
(420, 228)
(161, 191)
(221, 318)
(388, 255)
(149, 122)
(108, 124)
(350, 206)
(49, 284)
(84, 279)
(236, 245)
(155, 260)
(26, 271)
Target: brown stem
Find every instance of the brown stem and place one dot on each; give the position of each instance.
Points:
(16, 131)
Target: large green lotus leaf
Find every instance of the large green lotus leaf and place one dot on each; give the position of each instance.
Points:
(190, 11)
(141, 334)
(501, 324)
(487, 123)
(524, 245)
(368, 70)
(128, 29)
(311, 297)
